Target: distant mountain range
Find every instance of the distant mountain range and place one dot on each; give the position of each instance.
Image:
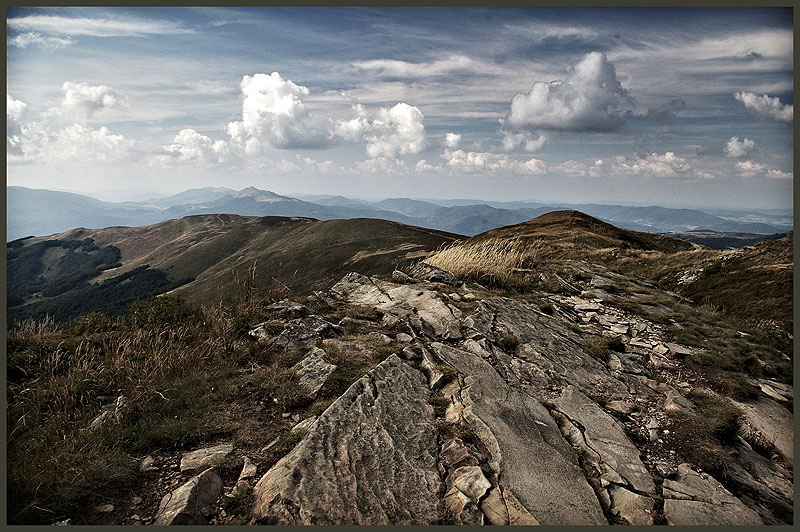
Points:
(37, 212)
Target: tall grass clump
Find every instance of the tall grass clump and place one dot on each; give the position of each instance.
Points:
(165, 356)
(495, 262)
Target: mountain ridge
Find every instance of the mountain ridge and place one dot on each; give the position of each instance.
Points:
(59, 213)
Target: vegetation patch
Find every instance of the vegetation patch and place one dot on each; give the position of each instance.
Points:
(706, 437)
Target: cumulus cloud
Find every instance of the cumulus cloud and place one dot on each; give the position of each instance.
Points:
(398, 130)
(274, 115)
(189, 145)
(765, 106)
(751, 169)
(82, 101)
(23, 40)
(81, 143)
(527, 140)
(15, 112)
(452, 140)
(387, 132)
(382, 165)
(736, 148)
(482, 162)
(589, 98)
(654, 164)
(94, 27)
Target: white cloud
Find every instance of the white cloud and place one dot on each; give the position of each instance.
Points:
(765, 106)
(452, 140)
(274, 115)
(653, 164)
(396, 130)
(352, 130)
(94, 27)
(529, 141)
(382, 165)
(82, 101)
(423, 166)
(462, 161)
(752, 169)
(589, 98)
(23, 40)
(81, 143)
(286, 166)
(736, 148)
(405, 69)
(777, 174)
(189, 145)
(15, 112)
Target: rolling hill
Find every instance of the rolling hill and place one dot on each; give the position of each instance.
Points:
(203, 258)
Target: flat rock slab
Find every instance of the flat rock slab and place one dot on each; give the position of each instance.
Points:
(548, 352)
(773, 422)
(186, 505)
(605, 436)
(370, 459)
(697, 499)
(531, 457)
(313, 371)
(203, 457)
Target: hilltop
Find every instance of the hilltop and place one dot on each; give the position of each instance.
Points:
(550, 375)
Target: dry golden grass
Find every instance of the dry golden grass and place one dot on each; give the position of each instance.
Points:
(494, 261)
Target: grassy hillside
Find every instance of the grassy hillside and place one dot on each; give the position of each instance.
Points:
(203, 259)
(753, 285)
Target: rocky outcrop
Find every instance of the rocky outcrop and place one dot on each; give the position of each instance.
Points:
(313, 371)
(425, 272)
(771, 423)
(526, 451)
(298, 333)
(370, 459)
(694, 498)
(424, 309)
(604, 441)
(546, 353)
(191, 503)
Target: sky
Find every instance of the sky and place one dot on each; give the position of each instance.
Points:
(652, 106)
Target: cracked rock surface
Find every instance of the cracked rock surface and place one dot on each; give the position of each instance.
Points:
(697, 499)
(370, 459)
(526, 449)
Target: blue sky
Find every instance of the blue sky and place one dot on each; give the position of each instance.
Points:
(683, 106)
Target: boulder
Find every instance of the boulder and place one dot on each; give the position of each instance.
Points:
(298, 333)
(369, 459)
(188, 504)
(698, 499)
(426, 272)
(313, 371)
(204, 457)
